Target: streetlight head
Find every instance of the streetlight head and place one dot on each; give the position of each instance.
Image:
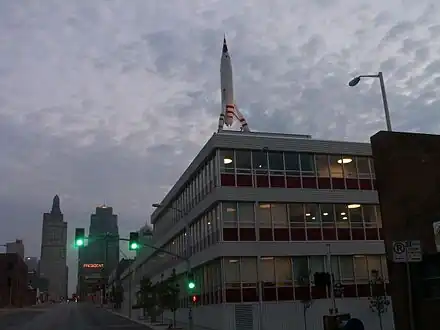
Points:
(353, 82)
(156, 205)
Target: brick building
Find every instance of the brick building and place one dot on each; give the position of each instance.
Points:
(408, 182)
(13, 281)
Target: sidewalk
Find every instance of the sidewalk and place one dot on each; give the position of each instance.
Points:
(153, 326)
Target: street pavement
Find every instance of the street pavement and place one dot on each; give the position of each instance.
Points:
(66, 316)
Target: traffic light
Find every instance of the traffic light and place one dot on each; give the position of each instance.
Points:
(191, 283)
(133, 243)
(79, 237)
(194, 299)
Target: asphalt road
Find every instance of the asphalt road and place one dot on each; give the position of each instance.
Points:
(70, 316)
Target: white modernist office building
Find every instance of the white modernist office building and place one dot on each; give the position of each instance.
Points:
(265, 212)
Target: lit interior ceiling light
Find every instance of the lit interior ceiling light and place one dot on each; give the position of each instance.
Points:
(233, 261)
(354, 206)
(264, 206)
(227, 161)
(342, 213)
(230, 209)
(325, 213)
(307, 214)
(344, 160)
(344, 218)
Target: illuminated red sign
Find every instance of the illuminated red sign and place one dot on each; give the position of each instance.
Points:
(93, 265)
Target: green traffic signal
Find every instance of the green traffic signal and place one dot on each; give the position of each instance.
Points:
(191, 285)
(133, 243)
(79, 237)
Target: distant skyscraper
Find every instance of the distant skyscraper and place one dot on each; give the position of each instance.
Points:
(16, 247)
(53, 251)
(102, 251)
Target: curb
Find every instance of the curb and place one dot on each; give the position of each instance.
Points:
(125, 316)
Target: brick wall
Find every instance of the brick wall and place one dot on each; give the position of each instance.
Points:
(408, 182)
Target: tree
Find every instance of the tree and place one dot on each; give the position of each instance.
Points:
(118, 296)
(379, 302)
(168, 294)
(147, 298)
(173, 295)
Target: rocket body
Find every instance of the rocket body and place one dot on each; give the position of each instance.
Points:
(229, 108)
(227, 86)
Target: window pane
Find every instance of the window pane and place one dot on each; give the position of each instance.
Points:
(374, 264)
(335, 268)
(336, 166)
(347, 268)
(263, 215)
(249, 269)
(322, 165)
(341, 215)
(349, 166)
(369, 213)
(355, 215)
(229, 214)
(246, 213)
(259, 160)
(307, 163)
(300, 270)
(383, 262)
(267, 269)
(232, 270)
(363, 167)
(276, 161)
(361, 269)
(292, 161)
(372, 167)
(312, 215)
(327, 213)
(317, 265)
(378, 216)
(243, 159)
(283, 270)
(279, 215)
(296, 214)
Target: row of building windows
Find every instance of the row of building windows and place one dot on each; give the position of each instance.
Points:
(195, 190)
(244, 168)
(249, 221)
(279, 215)
(245, 279)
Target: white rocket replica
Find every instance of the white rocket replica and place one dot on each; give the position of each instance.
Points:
(229, 108)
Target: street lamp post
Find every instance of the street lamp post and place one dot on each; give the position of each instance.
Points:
(186, 258)
(378, 301)
(379, 75)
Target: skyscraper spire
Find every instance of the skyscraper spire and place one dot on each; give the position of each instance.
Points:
(56, 205)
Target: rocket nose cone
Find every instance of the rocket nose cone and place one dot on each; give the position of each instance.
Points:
(225, 46)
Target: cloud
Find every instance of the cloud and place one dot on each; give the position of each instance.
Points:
(108, 101)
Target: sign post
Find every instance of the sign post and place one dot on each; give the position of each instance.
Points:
(408, 252)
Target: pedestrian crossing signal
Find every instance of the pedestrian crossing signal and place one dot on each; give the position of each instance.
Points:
(194, 299)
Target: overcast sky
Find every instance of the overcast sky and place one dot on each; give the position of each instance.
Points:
(109, 101)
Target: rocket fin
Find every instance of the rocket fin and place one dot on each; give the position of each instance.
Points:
(243, 123)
